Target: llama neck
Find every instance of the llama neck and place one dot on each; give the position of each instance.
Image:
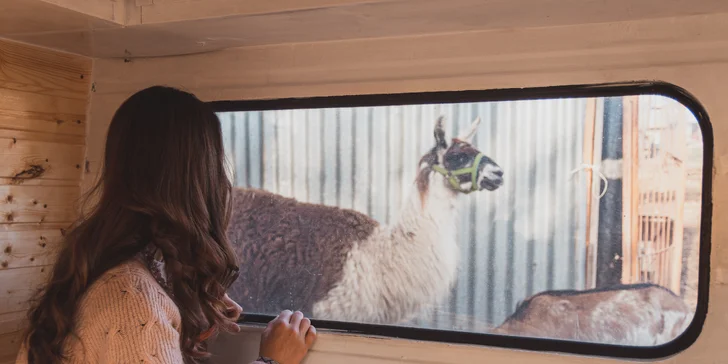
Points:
(400, 270)
(430, 204)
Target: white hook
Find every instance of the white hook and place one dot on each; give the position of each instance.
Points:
(596, 170)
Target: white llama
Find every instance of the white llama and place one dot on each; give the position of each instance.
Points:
(339, 264)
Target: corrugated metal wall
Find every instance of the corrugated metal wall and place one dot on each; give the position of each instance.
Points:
(526, 237)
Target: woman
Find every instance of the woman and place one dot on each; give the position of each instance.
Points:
(142, 276)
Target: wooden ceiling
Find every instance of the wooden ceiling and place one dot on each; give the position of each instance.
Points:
(151, 28)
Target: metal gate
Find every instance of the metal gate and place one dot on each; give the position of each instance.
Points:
(655, 137)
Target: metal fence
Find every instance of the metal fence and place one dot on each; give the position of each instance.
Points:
(526, 237)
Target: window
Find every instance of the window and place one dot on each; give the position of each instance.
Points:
(546, 219)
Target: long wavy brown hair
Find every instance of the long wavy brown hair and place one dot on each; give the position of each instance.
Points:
(164, 181)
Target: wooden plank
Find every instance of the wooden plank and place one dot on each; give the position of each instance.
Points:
(588, 157)
(593, 157)
(9, 346)
(680, 146)
(23, 16)
(24, 159)
(34, 204)
(42, 137)
(41, 182)
(12, 321)
(628, 193)
(72, 124)
(240, 23)
(19, 285)
(380, 63)
(15, 100)
(162, 11)
(111, 10)
(30, 245)
(630, 190)
(42, 71)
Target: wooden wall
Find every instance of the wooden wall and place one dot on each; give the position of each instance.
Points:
(43, 100)
(691, 52)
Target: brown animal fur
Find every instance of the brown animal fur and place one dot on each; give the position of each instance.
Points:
(291, 253)
(635, 315)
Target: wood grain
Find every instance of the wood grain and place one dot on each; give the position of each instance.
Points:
(630, 190)
(9, 345)
(23, 135)
(24, 159)
(162, 11)
(30, 245)
(23, 16)
(43, 100)
(548, 57)
(17, 286)
(110, 10)
(44, 72)
(15, 100)
(12, 321)
(175, 27)
(58, 123)
(36, 204)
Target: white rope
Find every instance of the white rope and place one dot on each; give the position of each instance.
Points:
(594, 169)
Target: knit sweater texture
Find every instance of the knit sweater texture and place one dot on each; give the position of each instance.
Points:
(124, 317)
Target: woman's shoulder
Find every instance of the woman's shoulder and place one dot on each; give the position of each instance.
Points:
(131, 270)
(125, 314)
(126, 291)
(119, 314)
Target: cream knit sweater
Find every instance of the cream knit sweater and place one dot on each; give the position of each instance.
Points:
(124, 317)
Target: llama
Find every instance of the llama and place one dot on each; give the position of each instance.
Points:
(339, 264)
(633, 315)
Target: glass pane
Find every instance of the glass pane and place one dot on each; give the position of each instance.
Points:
(572, 219)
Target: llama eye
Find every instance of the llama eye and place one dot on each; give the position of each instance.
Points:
(456, 160)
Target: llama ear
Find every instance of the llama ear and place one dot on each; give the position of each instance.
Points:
(440, 141)
(468, 136)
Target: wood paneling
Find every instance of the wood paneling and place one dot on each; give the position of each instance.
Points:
(43, 71)
(111, 10)
(33, 16)
(32, 136)
(36, 204)
(24, 158)
(11, 322)
(15, 100)
(19, 285)
(684, 51)
(9, 344)
(163, 11)
(43, 101)
(175, 27)
(29, 245)
(53, 123)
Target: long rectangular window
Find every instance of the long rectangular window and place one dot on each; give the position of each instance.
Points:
(570, 214)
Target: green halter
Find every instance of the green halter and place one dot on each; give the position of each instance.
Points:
(452, 175)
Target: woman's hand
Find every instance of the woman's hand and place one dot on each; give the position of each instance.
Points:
(287, 338)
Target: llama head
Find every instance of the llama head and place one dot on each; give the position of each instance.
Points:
(464, 167)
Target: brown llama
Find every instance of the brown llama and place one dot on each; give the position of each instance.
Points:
(339, 264)
(633, 315)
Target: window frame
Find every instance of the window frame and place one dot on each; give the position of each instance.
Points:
(682, 342)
